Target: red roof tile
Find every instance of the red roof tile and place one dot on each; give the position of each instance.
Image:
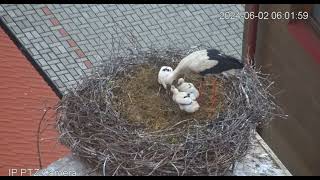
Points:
(88, 63)
(46, 11)
(63, 32)
(54, 21)
(71, 43)
(80, 53)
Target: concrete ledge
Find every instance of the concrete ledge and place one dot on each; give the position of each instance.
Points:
(260, 161)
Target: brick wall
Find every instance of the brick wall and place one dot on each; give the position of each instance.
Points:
(23, 97)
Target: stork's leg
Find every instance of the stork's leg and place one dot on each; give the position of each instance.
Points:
(213, 95)
(159, 91)
(200, 89)
(168, 92)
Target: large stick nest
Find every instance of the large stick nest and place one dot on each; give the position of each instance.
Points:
(118, 122)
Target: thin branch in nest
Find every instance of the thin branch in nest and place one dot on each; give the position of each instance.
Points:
(38, 136)
(129, 97)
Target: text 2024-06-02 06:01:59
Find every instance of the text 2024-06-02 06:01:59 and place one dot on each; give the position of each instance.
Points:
(264, 15)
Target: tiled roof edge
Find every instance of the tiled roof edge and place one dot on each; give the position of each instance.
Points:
(29, 57)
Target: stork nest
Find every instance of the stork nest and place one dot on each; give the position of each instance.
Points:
(119, 122)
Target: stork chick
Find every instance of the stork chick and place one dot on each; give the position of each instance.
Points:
(188, 87)
(184, 100)
(163, 74)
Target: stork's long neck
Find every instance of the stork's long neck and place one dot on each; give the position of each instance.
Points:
(174, 75)
(180, 69)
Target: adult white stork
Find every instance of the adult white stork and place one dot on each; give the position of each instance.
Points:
(206, 62)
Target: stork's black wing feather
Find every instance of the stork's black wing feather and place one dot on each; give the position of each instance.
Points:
(225, 62)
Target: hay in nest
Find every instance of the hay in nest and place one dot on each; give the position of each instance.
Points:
(139, 100)
(117, 122)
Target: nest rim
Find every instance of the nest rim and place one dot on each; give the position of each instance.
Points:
(125, 149)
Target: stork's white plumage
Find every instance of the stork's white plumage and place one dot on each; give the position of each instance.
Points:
(188, 87)
(206, 62)
(184, 100)
(163, 74)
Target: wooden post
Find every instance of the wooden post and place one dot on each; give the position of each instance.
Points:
(249, 34)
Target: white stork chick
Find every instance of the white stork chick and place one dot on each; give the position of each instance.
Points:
(188, 87)
(205, 62)
(184, 100)
(163, 74)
